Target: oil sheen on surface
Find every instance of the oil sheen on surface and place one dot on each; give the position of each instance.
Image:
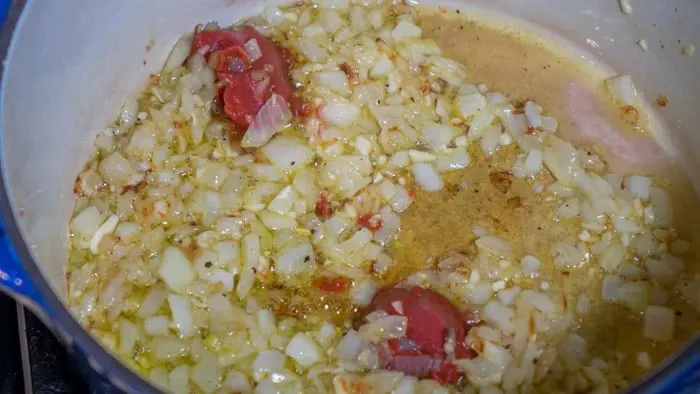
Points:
(522, 66)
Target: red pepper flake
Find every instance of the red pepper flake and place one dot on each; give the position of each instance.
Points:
(21, 212)
(447, 374)
(370, 221)
(333, 285)
(323, 208)
(412, 193)
(179, 125)
(530, 131)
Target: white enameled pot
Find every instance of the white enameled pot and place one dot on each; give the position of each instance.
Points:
(70, 64)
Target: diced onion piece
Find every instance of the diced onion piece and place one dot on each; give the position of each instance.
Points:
(530, 265)
(273, 16)
(340, 112)
(86, 222)
(427, 177)
(312, 51)
(128, 334)
(640, 186)
(532, 114)
(304, 350)
(237, 382)
(661, 206)
(273, 115)
(634, 295)
(205, 374)
(612, 257)
(363, 292)
(437, 136)
(560, 160)
(284, 200)
(611, 284)
(293, 260)
(176, 270)
(275, 221)
(178, 379)
(470, 104)
(179, 53)
(182, 314)
(336, 81)
(386, 327)
(659, 323)
(106, 228)
(381, 67)
(622, 88)
(500, 316)
(266, 321)
(269, 361)
(494, 245)
(252, 49)
(287, 153)
(454, 159)
(337, 4)
(405, 30)
(156, 325)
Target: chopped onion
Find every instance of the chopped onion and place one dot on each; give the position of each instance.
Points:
(179, 53)
(176, 270)
(156, 325)
(437, 136)
(312, 51)
(633, 295)
(287, 153)
(363, 292)
(128, 334)
(336, 81)
(494, 245)
(295, 259)
(273, 115)
(182, 314)
(273, 16)
(340, 112)
(659, 323)
(640, 186)
(304, 350)
(178, 379)
(405, 29)
(252, 49)
(427, 177)
(86, 222)
(269, 361)
(622, 88)
(106, 228)
(387, 327)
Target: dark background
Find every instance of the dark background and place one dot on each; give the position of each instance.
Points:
(25, 341)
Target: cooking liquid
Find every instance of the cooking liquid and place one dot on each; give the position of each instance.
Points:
(523, 66)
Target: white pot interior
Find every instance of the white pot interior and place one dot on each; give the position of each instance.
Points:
(73, 63)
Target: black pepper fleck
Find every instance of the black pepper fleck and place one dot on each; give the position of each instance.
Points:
(208, 264)
(307, 259)
(458, 11)
(293, 163)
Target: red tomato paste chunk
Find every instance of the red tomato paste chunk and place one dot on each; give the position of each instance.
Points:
(432, 320)
(245, 85)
